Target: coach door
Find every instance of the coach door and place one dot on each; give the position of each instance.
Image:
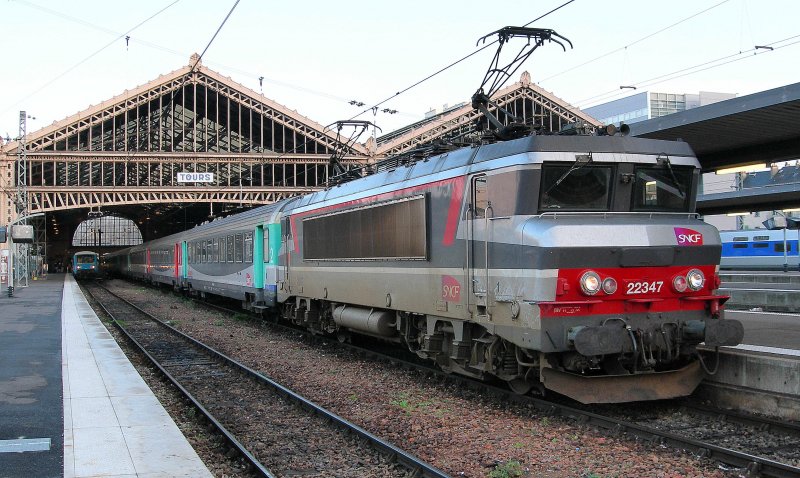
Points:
(267, 239)
(478, 249)
(260, 258)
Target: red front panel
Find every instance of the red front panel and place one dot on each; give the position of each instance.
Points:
(639, 290)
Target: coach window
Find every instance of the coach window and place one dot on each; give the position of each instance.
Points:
(248, 247)
(237, 248)
(230, 248)
(223, 255)
(215, 248)
(779, 247)
(267, 257)
(204, 252)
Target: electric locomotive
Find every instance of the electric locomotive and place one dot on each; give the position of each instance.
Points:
(572, 263)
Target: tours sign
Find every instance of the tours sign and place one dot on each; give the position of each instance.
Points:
(189, 177)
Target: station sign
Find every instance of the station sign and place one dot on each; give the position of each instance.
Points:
(187, 177)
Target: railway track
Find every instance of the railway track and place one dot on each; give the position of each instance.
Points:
(758, 446)
(303, 439)
(754, 445)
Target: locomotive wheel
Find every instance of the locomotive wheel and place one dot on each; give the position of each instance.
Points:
(344, 337)
(520, 386)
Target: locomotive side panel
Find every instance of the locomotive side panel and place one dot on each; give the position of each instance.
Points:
(395, 250)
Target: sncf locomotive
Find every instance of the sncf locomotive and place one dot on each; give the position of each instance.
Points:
(574, 264)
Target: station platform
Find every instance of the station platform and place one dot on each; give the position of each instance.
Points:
(71, 404)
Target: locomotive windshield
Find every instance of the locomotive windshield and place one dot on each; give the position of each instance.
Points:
(587, 188)
(85, 259)
(662, 189)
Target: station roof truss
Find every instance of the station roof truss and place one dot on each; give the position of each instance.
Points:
(129, 149)
(531, 103)
(124, 155)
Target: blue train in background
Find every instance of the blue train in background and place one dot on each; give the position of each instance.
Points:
(760, 249)
(86, 265)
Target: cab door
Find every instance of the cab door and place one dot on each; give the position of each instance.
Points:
(478, 250)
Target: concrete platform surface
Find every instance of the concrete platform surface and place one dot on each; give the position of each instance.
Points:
(108, 423)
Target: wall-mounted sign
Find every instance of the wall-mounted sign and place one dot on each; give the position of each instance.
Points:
(195, 177)
(22, 233)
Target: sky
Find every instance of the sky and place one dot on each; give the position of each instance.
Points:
(318, 56)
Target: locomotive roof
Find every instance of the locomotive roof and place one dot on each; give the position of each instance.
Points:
(472, 157)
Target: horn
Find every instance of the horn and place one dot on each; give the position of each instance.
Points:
(624, 129)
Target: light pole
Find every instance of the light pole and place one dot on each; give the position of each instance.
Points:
(787, 223)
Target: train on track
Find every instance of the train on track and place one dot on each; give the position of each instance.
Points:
(568, 263)
(86, 265)
(760, 249)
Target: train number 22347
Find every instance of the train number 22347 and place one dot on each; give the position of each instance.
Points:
(644, 287)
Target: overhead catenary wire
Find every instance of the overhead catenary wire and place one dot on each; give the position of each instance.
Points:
(408, 88)
(704, 66)
(68, 70)
(622, 48)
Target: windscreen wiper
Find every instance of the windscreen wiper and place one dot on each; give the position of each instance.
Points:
(664, 159)
(581, 160)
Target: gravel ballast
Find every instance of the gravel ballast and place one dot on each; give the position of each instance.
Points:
(458, 431)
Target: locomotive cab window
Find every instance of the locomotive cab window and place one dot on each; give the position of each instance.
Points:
(662, 188)
(575, 187)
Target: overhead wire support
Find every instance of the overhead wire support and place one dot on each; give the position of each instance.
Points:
(497, 76)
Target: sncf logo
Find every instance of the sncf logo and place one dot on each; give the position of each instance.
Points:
(688, 237)
(451, 289)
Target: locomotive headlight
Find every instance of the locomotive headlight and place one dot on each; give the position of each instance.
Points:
(609, 285)
(679, 283)
(590, 282)
(696, 279)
